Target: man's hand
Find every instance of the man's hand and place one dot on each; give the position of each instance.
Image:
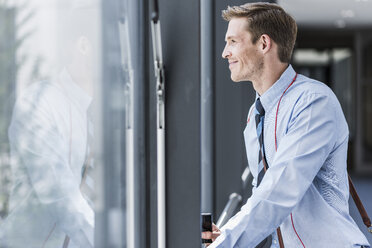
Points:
(211, 235)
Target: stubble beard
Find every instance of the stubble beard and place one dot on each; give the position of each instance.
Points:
(254, 73)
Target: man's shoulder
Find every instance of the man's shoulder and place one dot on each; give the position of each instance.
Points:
(311, 86)
(308, 88)
(40, 101)
(310, 93)
(40, 93)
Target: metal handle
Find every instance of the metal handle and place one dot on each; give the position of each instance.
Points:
(228, 211)
(160, 102)
(155, 11)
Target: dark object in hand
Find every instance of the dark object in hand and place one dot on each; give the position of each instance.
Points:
(206, 223)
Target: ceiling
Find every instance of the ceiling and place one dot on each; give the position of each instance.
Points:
(330, 13)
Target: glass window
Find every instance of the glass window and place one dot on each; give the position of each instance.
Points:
(67, 124)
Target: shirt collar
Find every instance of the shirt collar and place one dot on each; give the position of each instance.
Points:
(273, 94)
(73, 90)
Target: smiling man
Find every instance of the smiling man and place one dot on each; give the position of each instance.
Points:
(296, 139)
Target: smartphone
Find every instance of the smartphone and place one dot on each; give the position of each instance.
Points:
(206, 224)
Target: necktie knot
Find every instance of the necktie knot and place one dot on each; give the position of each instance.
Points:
(259, 108)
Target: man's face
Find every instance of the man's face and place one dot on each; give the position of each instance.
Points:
(245, 61)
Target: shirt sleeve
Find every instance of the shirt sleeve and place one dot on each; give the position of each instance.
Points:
(43, 153)
(303, 150)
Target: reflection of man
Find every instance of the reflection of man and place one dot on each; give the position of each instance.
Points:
(297, 131)
(48, 136)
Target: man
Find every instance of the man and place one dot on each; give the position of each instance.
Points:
(296, 131)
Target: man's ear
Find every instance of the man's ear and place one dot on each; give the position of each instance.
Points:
(83, 45)
(265, 43)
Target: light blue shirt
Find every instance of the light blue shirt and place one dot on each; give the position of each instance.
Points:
(48, 138)
(307, 174)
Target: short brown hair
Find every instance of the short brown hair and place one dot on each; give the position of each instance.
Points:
(270, 19)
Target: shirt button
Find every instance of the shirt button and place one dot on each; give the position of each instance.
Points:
(274, 241)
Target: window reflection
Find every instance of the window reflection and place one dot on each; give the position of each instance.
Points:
(68, 129)
(49, 196)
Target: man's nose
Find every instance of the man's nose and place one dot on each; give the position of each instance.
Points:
(226, 53)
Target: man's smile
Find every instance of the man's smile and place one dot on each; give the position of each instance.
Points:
(232, 63)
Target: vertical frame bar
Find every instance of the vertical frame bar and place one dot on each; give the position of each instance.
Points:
(206, 104)
(121, 217)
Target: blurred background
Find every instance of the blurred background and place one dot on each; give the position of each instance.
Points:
(205, 112)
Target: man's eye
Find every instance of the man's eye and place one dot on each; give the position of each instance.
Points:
(233, 41)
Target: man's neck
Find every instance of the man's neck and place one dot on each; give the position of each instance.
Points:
(269, 76)
(81, 77)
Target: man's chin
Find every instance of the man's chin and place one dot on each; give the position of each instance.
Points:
(234, 79)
